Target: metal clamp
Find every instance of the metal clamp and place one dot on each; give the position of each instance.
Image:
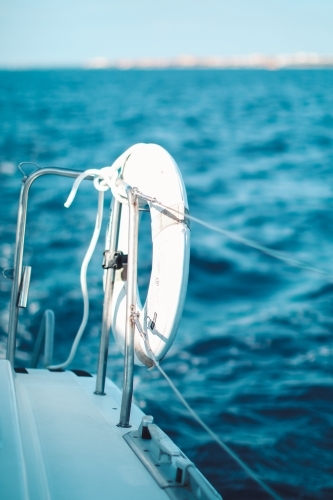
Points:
(167, 464)
(114, 260)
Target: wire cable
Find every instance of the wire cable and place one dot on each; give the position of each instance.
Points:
(247, 242)
(215, 437)
(195, 416)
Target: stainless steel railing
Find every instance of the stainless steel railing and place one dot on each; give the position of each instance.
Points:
(19, 250)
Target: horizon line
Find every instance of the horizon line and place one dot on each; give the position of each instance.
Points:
(298, 60)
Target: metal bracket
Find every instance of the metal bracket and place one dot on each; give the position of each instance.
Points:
(168, 465)
(8, 273)
(114, 260)
(27, 163)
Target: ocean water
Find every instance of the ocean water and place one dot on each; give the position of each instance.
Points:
(254, 351)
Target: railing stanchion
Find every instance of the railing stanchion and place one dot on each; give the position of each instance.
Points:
(132, 269)
(112, 244)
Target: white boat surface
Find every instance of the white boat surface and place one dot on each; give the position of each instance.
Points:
(61, 441)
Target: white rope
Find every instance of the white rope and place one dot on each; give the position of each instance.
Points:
(104, 173)
(83, 280)
(104, 178)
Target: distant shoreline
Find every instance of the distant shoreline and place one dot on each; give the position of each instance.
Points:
(167, 68)
(299, 61)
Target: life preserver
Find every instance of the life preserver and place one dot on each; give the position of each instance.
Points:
(154, 172)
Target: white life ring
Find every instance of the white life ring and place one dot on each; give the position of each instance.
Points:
(154, 172)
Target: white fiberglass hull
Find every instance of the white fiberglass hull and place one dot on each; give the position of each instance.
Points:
(60, 441)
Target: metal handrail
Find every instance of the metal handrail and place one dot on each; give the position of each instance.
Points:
(19, 249)
(46, 331)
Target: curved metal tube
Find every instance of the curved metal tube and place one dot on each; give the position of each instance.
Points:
(46, 331)
(19, 248)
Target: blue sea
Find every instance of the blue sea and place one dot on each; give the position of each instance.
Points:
(254, 351)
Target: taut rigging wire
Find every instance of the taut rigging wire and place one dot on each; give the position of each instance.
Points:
(196, 417)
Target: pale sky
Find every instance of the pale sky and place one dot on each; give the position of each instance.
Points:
(72, 32)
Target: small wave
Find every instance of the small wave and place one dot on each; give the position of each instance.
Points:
(274, 146)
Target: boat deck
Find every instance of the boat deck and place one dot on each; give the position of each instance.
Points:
(60, 441)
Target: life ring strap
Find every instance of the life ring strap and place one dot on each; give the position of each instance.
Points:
(176, 214)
